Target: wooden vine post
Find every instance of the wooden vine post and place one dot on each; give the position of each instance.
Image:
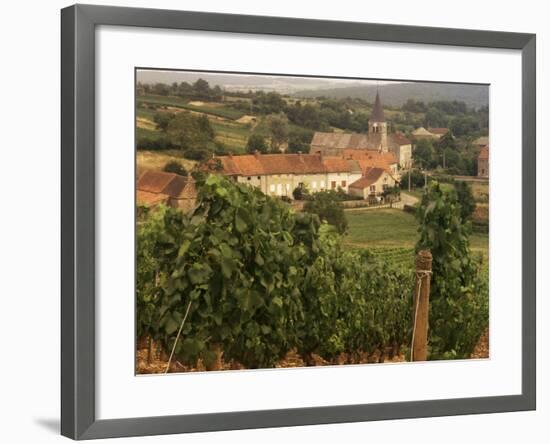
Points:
(421, 306)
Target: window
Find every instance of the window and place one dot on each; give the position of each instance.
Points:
(314, 185)
(272, 188)
(333, 184)
(322, 184)
(279, 189)
(259, 177)
(343, 184)
(248, 178)
(372, 188)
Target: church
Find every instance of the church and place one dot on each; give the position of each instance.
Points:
(377, 139)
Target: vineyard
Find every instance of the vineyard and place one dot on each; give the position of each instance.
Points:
(245, 282)
(400, 256)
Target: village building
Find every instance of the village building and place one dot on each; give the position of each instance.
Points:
(481, 142)
(438, 133)
(281, 174)
(158, 187)
(368, 159)
(374, 183)
(483, 162)
(430, 133)
(377, 139)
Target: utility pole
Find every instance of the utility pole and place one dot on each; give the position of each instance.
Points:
(410, 171)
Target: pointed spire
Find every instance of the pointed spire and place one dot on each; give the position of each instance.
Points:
(377, 114)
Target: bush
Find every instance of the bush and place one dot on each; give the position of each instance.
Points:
(325, 205)
(175, 167)
(198, 154)
(301, 192)
(155, 144)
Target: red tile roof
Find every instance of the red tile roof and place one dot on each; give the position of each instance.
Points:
(399, 138)
(371, 176)
(441, 131)
(164, 185)
(370, 158)
(154, 181)
(145, 197)
(268, 164)
(336, 164)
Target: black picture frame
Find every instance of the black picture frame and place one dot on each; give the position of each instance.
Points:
(78, 23)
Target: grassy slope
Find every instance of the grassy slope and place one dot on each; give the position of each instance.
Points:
(155, 160)
(211, 108)
(393, 228)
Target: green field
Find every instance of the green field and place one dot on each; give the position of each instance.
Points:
(211, 108)
(232, 134)
(393, 229)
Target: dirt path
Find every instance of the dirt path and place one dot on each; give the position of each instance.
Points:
(406, 199)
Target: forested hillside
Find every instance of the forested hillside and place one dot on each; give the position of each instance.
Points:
(396, 94)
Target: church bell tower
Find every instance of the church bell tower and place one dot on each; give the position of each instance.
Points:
(378, 129)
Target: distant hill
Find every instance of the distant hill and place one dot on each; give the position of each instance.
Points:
(241, 82)
(395, 94)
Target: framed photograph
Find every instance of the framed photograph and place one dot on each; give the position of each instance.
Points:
(273, 222)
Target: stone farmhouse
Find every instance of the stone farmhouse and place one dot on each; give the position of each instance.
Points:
(377, 139)
(156, 187)
(281, 174)
(430, 133)
(481, 142)
(483, 162)
(373, 183)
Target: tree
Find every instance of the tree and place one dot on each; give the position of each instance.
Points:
(417, 179)
(162, 119)
(423, 153)
(161, 89)
(278, 130)
(299, 140)
(201, 89)
(465, 199)
(325, 204)
(256, 142)
(205, 127)
(465, 124)
(435, 118)
(175, 167)
(184, 89)
(190, 132)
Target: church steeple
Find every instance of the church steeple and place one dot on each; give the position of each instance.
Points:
(378, 128)
(377, 114)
